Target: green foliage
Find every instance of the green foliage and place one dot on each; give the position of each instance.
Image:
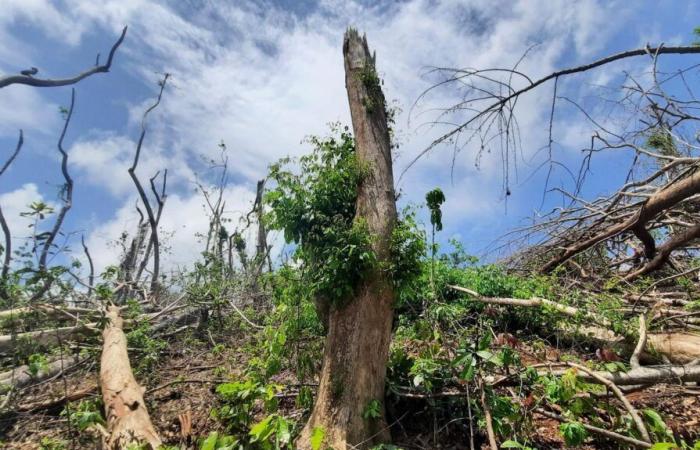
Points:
(434, 199)
(86, 414)
(273, 432)
(149, 348)
(373, 84)
(662, 141)
(215, 441)
(292, 319)
(515, 444)
(48, 443)
(239, 398)
(574, 433)
(316, 210)
(315, 207)
(373, 410)
(407, 251)
(656, 425)
(37, 363)
(318, 434)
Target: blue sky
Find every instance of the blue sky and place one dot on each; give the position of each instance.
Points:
(263, 75)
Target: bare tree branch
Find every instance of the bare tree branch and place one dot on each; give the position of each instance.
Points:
(29, 80)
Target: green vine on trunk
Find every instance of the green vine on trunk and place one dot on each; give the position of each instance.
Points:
(314, 206)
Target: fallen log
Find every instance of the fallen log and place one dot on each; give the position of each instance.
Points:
(48, 309)
(678, 347)
(128, 422)
(46, 337)
(56, 402)
(21, 376)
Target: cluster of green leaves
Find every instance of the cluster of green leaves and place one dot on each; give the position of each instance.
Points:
(408, 248)
(315, 207)
(85, 414)
(373, 85)
(316, 210)
(292, 338)
(37, 363)
(148, 348)
(242, 400)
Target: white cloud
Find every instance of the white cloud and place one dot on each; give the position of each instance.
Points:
(261, 79)
(184, 216)
(14, 203)
(112, 155)
(24, 108)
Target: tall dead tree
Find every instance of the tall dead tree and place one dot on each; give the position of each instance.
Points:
(359, 332)
(7, 250)
(153, 216)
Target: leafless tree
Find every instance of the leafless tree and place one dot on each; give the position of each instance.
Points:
(7, 256)
(153, 216)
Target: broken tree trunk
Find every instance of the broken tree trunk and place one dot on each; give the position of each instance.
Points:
(21, 376)
(359, 332)
(46, 337)
(128, 422)
(678, 347)
(657, 203)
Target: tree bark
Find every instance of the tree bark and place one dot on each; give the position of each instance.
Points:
(128, 422)
(359, 332)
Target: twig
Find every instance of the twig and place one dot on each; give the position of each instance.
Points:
(488, 419)
(634, 359)
(607, 433)
(613, 387)
(240, 313)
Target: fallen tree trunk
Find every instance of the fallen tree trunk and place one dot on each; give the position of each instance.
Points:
(128, 422)
(46, 337)
(644, 375)
(56, 335)
(678, 347)
(21, 376)
(51, 310)
(675, 242)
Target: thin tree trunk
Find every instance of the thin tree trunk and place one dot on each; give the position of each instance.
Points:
(128, 422)
(359, 333)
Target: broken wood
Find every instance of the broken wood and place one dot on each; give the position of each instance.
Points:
(678, 347)
(46, 337)
(20, 377)
(613, 387)
(128, 422)
(607, 433)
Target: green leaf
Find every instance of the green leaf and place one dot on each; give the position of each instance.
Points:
(574, 433)
(317, 436)
(262, 430)
(210, 442)
(664, 446)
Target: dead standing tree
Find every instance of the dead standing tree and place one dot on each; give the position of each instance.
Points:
(152, 214)
(7, 250)
(359, 332)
